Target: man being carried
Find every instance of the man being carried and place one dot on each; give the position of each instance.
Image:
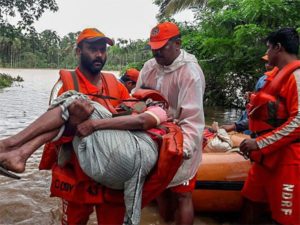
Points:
(106, 150)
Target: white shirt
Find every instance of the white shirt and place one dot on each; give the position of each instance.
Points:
(182, 83)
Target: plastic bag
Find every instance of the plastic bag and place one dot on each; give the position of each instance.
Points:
(221, 142)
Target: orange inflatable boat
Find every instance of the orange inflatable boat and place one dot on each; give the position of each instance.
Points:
(220, 178)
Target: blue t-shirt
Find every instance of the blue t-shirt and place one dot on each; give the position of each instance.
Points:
(260, 83)
(242, 124)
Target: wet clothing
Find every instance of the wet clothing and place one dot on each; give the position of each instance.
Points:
(274, 177)
(118, 159)
(182, 83)
(280, 188)
(84, 190)
(74, 213)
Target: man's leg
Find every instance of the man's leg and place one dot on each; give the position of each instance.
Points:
(110, 213)
(15, 150)
(253, 212)
(49, 121)
(15, 160)
(255, 193)
(176, 206)
(166, 205)
(285, 194)
(176, 203)
(184, 213)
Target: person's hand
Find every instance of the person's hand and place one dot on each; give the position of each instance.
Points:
(228, 127)
(248, 145)
(79, 111)
(247, 96)
(85, 128)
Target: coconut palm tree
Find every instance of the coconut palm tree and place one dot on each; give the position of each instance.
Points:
(171, 7)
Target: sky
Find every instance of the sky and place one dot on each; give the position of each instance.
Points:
(126, 19)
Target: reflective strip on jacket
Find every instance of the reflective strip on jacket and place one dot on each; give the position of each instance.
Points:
(280, 143)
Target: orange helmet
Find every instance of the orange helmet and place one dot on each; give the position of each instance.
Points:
(149, 95)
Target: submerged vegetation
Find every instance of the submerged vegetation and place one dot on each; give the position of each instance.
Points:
(227, 37)
(7, 80)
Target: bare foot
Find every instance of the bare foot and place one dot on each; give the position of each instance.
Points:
(13, 161)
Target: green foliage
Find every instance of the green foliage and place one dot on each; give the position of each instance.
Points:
(48, 50)
(7, 80)
(29, 11)
(30, 50)
(127, 53)
(229, 42)
(227, 39)
(169, 7)
(136, 65)
(21, 45)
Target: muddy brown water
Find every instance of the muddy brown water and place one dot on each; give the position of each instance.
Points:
(27, 201)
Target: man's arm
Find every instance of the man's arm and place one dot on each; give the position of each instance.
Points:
(242, 125)
(143, 121)
(287, 132)
(290, 130)
(191, 117)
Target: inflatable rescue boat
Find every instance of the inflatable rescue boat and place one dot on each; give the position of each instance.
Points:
(220, 179)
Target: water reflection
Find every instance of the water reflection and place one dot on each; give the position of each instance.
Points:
(221, 115)
(27, 201)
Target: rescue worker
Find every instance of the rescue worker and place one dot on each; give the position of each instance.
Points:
(116, 152)
(177, 75)
(274, 116)
(129, 78)
(242, 124)
(86, 194)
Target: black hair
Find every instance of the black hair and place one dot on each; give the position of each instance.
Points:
(175, 38)
(125, 78)
(145, 87)
(79, 45)
(287, 37)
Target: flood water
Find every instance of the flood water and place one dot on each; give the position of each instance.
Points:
(27, 201)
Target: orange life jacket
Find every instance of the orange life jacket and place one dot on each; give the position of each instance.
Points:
(169, 160)
(70, 182)
(170, 143)
(139, 102)
(109, 82)
(266, 109)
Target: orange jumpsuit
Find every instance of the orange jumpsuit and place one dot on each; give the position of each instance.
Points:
(274, 176)
(79, 192)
